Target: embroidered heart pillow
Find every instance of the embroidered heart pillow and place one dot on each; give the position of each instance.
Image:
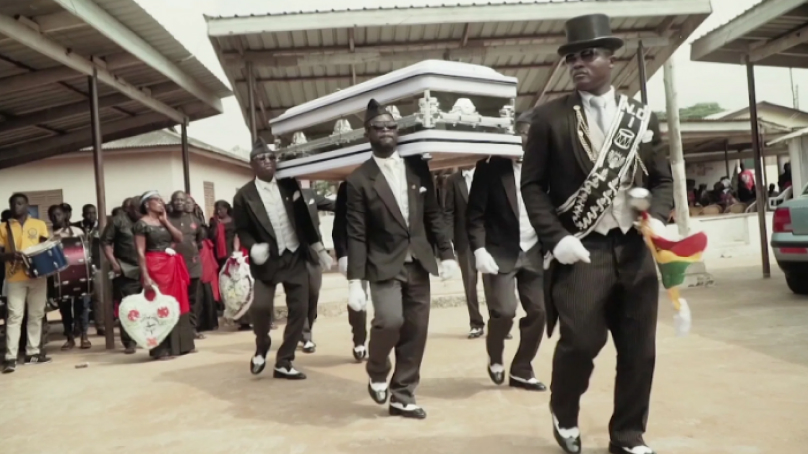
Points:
(236, 286)
(149, 322)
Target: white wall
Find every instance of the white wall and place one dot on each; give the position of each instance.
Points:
(710, 172)
(126, 174)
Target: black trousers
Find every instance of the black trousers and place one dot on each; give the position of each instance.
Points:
(75, 315)
(468, 271)
(293, 274)
(619, 293)
(122, 287)
(359, 322)
(315, 283)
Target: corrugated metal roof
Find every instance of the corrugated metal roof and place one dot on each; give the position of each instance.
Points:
(35, 120)
(761, 24)
(166, 138)
(284, 84)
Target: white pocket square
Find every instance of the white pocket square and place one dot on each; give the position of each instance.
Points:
(648, 136)
(422, 190)
(311, 202)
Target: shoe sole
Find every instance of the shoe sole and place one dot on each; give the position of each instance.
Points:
(393, 411)
(281, 375)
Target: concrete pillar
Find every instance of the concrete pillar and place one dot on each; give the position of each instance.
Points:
(798, 156)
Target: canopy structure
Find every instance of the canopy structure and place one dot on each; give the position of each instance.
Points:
(772, 33)
(287, 57)
(49, 50)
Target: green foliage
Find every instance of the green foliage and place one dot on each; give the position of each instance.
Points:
(695, 112)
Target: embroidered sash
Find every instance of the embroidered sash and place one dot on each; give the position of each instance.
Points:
(582, 211)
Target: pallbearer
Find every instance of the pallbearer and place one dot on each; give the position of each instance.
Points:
(392, 210)
(508, 253)
(585, 151)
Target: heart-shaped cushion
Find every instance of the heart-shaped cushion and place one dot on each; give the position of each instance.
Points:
(149, 322)
(236, 286)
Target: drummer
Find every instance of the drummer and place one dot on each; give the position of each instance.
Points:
(22, 231)
(75, 311)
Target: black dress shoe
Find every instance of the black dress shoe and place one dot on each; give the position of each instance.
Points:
(497, 377)
(530, 384)
(476, 332)
(408, 411)
(258, 362)
(642, 449)
(288, 373)
(570, 445)
(309, 347)
(360, 353)
(380, 397)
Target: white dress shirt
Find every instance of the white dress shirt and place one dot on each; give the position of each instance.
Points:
(468, 177)
(603, 110)
(527, 234)
(395, 172)
(276, 210)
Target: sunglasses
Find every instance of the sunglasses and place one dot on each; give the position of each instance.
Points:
(392, 126)
(265, 157)
(586, 56)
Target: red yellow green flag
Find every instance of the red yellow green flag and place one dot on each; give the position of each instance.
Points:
(673, 257)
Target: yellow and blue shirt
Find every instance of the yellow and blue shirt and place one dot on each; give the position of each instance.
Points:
(30, 233)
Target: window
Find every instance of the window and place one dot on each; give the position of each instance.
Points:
(210, 198)
(40, 201)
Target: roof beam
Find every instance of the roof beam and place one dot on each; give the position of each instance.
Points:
(753, 18)
(49, 76)
(76, 140)
(556, 39)
(52, 23)
(30, 38)
(78, 108)
(765, 50)
(386, 17)
(550, 81)
(364, 55)
(107, 25)
(465, 39)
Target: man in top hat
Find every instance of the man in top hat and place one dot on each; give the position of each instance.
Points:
(392, 212)
(273, 223)
(508, 253)
(584, 152)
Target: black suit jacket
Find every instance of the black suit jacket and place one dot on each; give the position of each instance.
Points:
(456, 201)
(254, 227)
(378, 236)
(493, 214)
(339, 232)
(555, 165)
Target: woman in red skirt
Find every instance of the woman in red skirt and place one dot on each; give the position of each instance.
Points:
(162, 268)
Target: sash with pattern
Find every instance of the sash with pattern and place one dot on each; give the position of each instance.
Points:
(582, 211)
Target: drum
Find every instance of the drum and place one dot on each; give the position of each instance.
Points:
(44, 259)
(76, 280)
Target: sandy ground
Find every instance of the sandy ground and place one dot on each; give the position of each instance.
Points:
(738, 384)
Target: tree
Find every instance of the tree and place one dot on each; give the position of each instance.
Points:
(695, 112)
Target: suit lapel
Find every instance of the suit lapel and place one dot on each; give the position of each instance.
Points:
(578, 150)
(413, 186)
(509, 181)
(385, 193)
(257, 207)
(464, 188)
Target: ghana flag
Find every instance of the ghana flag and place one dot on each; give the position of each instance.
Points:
(673, 257)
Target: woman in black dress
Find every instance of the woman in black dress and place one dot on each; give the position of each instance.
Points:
(163, 268)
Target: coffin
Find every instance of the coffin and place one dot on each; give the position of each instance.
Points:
(452, 113)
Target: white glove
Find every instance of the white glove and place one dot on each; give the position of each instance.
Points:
(259, 253)
(448, 269)
(658, 228)
(342, 263)
(171, 252)
(485, 262)
(682, 320)
(570, 250)
(323, 256)
(357, 300)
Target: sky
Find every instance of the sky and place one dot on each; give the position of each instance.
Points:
(696, 82)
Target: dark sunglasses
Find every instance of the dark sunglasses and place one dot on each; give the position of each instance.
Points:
(392, 126)
(586, 56)
(265, 157)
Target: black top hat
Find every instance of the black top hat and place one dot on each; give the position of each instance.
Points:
(374, 110)
(586, 32)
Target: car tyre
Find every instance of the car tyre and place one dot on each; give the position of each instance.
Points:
(798, 283)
